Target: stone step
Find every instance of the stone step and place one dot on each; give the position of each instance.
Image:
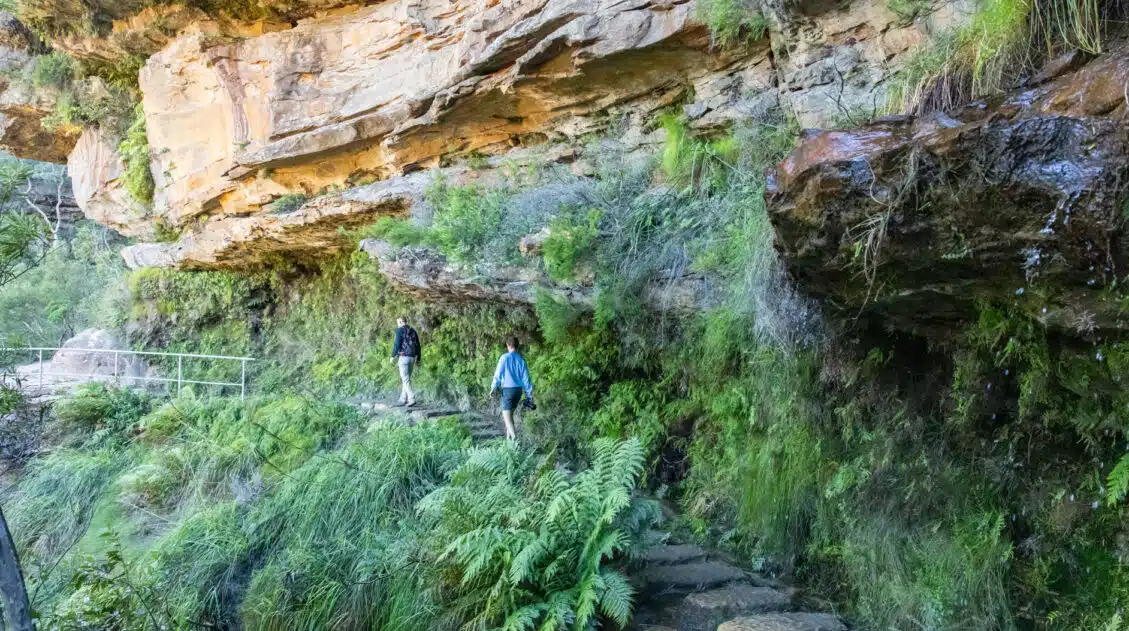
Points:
(673, 554)
(703, 611)
(375, 407)
(694, 576)
(423, 414)
(487, 432)
(785, 622)
(740, 598)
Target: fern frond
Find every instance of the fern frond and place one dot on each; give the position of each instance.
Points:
(614, 502)
(627, 464)
(525, 539)
(524, 618)
(559, 615)
(587, 596)
(1117, 482)
(618, 597)
(522, 566)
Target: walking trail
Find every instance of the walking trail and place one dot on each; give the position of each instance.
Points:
(679, 586)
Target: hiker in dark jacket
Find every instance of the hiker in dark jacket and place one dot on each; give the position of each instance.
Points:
(512, 375)
(406, 352)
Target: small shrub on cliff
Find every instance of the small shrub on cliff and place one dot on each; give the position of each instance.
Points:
(54, 70)
(691, 162)
(134, 151)
(466, 218)
(908, 10)
(732, 21)
(163, 232)
(570, 240)
(398, 232)
(288, 203)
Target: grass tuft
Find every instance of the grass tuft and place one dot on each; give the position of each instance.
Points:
(732, 22)
(1005, 40)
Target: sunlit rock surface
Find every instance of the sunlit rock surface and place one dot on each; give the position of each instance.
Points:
(311, 231)
(240, 115)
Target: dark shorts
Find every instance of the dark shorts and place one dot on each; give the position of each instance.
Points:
(511, 397)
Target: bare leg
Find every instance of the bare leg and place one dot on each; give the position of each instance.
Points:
(508, 419)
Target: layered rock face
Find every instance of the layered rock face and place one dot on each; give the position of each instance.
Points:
(428, 275)
(237, 117)
(1021, 201)
(22, 108)
(395, 87)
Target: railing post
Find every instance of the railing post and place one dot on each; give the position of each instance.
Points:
(179, 362)
(243, 380)
(41, 372)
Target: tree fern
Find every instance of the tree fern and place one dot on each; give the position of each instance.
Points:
(529, 541)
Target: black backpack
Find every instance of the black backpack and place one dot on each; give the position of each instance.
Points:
(409, 346)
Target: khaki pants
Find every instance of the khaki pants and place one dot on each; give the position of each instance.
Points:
(407, 365)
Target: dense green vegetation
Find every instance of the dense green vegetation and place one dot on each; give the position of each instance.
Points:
(281, 512)
(134, 151)
(75, 285)
(978, 485)
(969, 496)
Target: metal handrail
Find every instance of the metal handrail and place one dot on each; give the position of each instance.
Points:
(180, 380)
(114, 350)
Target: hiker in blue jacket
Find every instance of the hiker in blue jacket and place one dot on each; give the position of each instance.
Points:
(512, 375)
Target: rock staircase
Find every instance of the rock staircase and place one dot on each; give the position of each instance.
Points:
(481, 428)
(681, 588)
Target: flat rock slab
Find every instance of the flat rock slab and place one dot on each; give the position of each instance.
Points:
(696, 575)
(740, 598)
(424, 414)
(673, 554)
(785, 622)
(374, 406)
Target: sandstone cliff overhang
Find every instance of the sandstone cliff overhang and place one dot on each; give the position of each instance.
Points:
(426, 274)
(919, 220)
(316, 229)
(240, 114)
(396, 87)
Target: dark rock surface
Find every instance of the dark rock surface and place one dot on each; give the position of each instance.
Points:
(785, 622)
(919, 219)
(680, 588)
